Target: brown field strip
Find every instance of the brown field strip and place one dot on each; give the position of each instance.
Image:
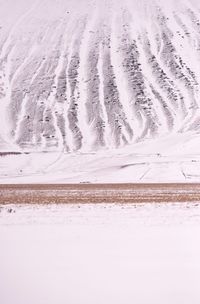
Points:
(98, 193)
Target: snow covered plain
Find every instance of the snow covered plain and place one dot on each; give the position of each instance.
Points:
(102, 254)
(171, 159)
(99, 85)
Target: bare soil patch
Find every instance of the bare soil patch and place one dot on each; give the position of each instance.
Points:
(98, 193)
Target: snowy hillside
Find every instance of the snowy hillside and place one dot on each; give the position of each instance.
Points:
(85, 76)
(93, 74)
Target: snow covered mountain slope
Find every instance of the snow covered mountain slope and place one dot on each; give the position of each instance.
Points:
(110, 77)
(85, 75)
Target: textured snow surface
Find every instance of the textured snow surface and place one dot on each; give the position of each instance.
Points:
(111, 254)
(86, 75)
(117, 78)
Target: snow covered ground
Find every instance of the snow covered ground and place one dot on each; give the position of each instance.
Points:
(99, 91)
(102, 254)
(169, 159)
(84, 75)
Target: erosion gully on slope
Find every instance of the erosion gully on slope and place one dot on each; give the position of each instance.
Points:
(85, 75)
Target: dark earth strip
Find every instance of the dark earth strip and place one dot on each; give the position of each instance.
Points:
(98, 193)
